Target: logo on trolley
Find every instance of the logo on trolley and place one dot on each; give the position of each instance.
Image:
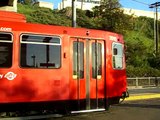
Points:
(9, 76)
(5, 29)
(113, 38)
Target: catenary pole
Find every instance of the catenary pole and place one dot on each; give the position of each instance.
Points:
(73, 13)
(155, 5)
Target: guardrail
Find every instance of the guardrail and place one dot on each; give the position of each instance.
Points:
(144, 81)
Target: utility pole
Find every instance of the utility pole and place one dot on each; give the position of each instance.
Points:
(82, 1)
(73, 13)
(155, 5)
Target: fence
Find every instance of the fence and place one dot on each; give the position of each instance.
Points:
(144, 81)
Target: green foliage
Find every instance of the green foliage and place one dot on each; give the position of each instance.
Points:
(42, 15)
(144, 25)
(154, 61)
(111, 17)
(25, 9)
(142, 71)
(139, 48)
(83, 20)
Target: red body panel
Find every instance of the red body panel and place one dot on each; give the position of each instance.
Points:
(12, 16)
(35, 85)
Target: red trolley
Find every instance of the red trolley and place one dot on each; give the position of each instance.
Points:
(59, 68)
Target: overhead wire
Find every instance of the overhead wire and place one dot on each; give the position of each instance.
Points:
(147, 4)
(141, 2)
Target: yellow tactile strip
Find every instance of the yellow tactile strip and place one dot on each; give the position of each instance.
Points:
(142, 97)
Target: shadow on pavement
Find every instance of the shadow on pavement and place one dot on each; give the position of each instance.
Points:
(140, 105)
(150, 103)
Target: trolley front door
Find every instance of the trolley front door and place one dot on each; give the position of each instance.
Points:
(88, 73)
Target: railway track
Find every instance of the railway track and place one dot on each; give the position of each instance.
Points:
(32, 117)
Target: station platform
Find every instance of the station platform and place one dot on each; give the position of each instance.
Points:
(141, 93)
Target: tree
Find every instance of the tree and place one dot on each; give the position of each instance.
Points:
(144, 25)
(84, 21)
(27, 2)
(111, 16)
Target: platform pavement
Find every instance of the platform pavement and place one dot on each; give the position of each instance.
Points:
(143, 93)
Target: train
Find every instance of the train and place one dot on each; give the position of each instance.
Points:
(49, 67)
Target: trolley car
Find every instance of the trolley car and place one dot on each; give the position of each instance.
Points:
(46, 67)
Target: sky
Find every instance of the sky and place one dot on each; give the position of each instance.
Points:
(134, 4)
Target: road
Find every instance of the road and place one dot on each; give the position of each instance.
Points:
(153, 90)
(131, 109)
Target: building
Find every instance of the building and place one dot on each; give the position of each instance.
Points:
(46, 4)
(138, 13)
(9, 5)
(89, 4)
(85, 5)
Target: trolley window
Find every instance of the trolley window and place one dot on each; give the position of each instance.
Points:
(39, 51)
(117, 52)
(78, 59)
(6, 45)
(96, 59)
